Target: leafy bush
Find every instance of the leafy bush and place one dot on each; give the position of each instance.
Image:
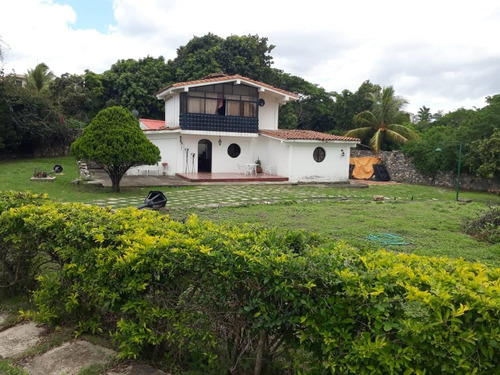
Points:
(12, 199)
(486, 227)
(484, 157)
(429, 161)
(222, 298)
(19, 263)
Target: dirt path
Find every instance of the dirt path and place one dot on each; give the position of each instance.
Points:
(68, 358)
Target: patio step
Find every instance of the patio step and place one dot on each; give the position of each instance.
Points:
(230, 177)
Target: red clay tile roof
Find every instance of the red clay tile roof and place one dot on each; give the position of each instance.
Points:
(296, 134)
(223, 78)
(155, 125)
(159, 129)
(152, 124)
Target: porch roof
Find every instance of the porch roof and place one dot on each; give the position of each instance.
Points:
(148, 124)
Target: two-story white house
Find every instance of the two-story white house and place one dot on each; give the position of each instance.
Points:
(222, 124)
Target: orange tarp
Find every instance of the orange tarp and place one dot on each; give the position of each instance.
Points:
(363, 167)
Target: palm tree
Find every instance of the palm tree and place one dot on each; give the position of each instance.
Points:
(382, 124)
(38, 79)
(424, 114)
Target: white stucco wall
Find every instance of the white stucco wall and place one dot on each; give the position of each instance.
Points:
(172, 111)
(223, 163)
(272, 153)
(168, 143)
(286, 158)
(334, 168)
(268, 114)
(179, 156)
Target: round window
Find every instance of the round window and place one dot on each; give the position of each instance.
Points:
(319, 154)
(234, 150)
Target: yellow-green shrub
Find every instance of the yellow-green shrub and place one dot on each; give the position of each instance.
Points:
(227, 298)
(19, 263)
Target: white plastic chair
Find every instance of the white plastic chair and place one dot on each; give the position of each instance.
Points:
(270, 170)
(242, 168)
(251, 169)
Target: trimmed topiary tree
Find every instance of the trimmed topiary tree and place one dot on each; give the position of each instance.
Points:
(114, 141)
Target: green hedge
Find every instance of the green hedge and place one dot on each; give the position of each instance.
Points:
(19, 264)
(241, 299)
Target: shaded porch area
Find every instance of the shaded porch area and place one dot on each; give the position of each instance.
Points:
(230, 177)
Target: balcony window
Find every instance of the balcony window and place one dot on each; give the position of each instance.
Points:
(196, 105)
(222, 100)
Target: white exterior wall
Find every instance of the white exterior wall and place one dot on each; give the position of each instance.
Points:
(273, 153)
(223, 163)
(172, 111)
(286, 158)
(268, 114)
(169, 153)
(174, 153)
(334, 168)
(186, 162)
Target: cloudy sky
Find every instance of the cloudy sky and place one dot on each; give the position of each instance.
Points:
(444, 54)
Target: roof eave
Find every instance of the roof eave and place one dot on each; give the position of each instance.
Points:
(169, 91)
(289, 140)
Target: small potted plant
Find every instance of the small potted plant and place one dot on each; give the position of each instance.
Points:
(258, 169)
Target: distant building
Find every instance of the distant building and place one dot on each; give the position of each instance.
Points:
(19, 79)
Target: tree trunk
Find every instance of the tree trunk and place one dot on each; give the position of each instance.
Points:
(115, 182)
(261, 346)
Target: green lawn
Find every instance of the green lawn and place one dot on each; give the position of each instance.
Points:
(428, 218)
(16, 174)
(431, 228)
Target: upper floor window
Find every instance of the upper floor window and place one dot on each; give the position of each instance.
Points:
(222, 100)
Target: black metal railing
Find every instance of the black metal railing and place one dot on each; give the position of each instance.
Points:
(236, 124)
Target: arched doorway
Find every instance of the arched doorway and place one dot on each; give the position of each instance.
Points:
(204, 156)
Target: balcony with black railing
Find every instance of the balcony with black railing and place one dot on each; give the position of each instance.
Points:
(217, 123)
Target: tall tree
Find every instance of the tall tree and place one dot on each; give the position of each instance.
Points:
(382, 125)
(424, 114)
(71, 94)
(114, 141)
(314, 109)
(246, 55)
(249, 56)
(347, 104)
(38, 125)
(9, 139)
(38, 79)
(132, 84)
(476, 129)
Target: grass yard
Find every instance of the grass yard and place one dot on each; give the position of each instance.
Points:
(427, 218)
(431, 228)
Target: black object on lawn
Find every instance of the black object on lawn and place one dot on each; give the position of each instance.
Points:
(155, 199)
(381, 173)
(57, 168)
(351, 168)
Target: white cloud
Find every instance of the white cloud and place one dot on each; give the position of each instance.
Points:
(441, 54)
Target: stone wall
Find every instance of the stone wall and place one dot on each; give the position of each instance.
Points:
(401, 169)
